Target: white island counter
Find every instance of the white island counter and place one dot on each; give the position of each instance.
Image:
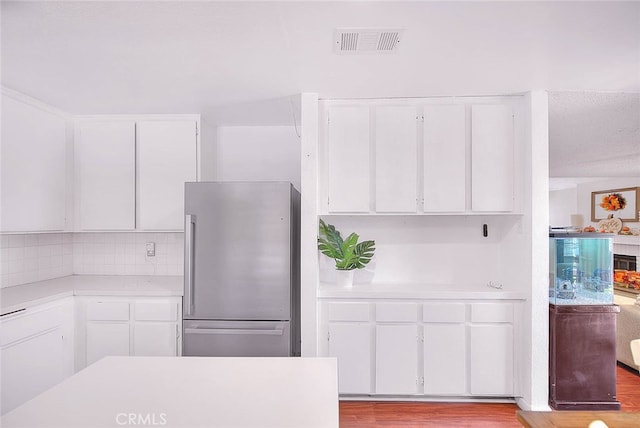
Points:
(189, 392)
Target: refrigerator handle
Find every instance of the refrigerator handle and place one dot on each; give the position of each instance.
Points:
(189, 226)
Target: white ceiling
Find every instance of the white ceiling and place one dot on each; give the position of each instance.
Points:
(240, 62)
(599, 134)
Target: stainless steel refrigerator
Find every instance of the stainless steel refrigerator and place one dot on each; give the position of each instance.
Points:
(242, 270)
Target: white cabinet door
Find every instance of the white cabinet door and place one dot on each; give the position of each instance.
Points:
(166, 160)
(105, 167)
(31, 367)
(349, 159)
(396, 159)
(36, 351)
(444, 158)
(397, 359)
(155, 339)
(492, 158)
(106, 339)
(350, 343)
(445, 359)
(143, 326)
(491, 359)
(33, 168)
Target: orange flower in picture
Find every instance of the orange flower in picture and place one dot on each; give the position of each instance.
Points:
(613, 202)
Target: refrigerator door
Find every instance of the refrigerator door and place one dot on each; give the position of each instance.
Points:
(236, 339)
(238, 251)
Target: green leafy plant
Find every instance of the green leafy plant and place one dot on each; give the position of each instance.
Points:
(348, 253)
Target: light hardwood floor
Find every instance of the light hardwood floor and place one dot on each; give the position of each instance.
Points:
(368, 414)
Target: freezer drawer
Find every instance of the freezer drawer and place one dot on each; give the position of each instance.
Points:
(236, 339)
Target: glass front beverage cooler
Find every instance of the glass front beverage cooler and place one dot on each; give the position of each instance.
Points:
(580, 268)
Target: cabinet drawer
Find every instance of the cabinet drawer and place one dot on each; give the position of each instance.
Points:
(156, 311)
(397, 312)
(443, 312)
(29, 323)
(492, 312)
(108, 311)
(348, 311)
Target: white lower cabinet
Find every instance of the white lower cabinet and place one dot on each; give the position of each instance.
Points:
(350, 343)
(159, 339)
(445, 359)
(444, 348)
(106, 338)
(427, 348)
(491, 351)
(397, 359)
(112, 326)
(36, 351)
(396, 348)
(349, 339)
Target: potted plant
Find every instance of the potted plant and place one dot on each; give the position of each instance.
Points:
(348, 253)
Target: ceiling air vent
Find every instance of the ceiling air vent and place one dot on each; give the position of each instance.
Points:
(366, 40)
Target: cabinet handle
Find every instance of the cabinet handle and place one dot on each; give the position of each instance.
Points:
(189, 226)
(276, 332)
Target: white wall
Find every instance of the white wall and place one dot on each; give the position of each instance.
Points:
(207, 160)
(562, 205)
(309, 224)
(443, 251)
(253, 153)
(534, 335)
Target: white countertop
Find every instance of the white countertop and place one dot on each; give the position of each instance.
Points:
(35, 293)
(189, 392)
(417, 291)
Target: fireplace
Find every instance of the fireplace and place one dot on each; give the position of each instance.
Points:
(624, 262)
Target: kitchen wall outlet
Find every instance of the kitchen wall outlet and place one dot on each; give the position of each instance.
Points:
(151, 249)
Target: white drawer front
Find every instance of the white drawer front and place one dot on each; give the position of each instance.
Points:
(444, 312)
(492, 312)
(108, 311)
(156, 311)
(348, 311)
(396, 312)
(29, 323)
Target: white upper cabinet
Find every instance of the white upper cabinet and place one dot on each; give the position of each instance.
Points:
(130, 173)
(444, 158)
(492, 158)
(396, 159)
(460, 158)
(166, 160)
(348, 137)
(34, 167)
(105, 175)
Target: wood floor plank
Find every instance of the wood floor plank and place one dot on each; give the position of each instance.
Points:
(370, 414)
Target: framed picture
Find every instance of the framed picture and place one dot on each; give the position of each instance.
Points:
(622, 203)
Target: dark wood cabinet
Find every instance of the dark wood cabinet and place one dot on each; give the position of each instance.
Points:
(582, 357)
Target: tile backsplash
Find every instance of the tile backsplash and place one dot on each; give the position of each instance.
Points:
(36, 257)
(125, 254)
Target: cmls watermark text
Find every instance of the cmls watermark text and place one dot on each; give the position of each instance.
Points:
(141, 419)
